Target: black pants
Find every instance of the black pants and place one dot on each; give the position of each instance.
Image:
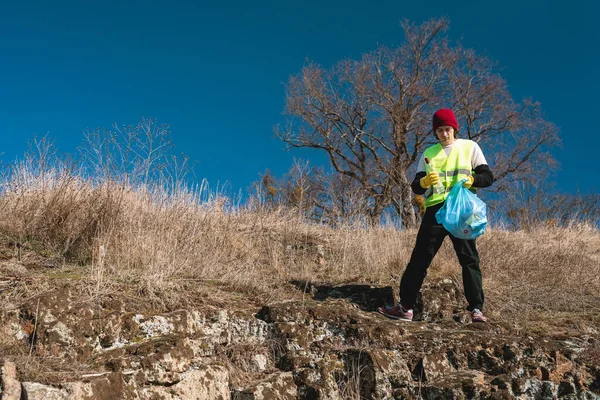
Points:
(429, 239)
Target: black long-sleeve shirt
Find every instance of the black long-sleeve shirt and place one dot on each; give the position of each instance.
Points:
(483, 178)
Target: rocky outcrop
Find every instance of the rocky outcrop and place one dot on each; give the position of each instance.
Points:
(330, 344)
(279, 386)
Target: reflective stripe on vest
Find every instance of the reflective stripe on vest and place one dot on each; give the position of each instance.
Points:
(453, 168)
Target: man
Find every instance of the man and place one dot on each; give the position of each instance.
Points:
(441, 167)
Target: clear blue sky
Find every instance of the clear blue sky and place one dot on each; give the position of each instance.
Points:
(216, 73)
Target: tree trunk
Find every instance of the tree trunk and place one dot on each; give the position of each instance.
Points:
(407, 211)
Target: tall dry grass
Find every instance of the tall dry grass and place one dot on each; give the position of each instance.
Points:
(162, 243)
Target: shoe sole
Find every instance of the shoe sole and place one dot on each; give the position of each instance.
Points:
(394, 317)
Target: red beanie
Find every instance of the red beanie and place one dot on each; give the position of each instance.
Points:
(444, 116)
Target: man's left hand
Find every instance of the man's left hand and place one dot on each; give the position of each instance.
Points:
(469, 182)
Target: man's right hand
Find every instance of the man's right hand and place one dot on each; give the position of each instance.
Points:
(431, 178)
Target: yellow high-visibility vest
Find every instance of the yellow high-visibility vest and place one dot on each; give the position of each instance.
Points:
(453, 168)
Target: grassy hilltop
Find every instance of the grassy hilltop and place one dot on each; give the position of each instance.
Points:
(158, 251)
(166, 246)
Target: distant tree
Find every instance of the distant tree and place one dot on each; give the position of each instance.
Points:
(140, 154)
(530, 205)
(299, 188)
(341, 200)
(323, 197)
(372, 116)
(266, 189)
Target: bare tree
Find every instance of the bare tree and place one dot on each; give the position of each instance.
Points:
(340, 199)
(373, 116)
(297, 189)
(140, 154)
(265, 192)
(529, 205)
(325, 197)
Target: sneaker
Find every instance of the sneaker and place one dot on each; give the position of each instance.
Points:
(477, 316)
(397, 312)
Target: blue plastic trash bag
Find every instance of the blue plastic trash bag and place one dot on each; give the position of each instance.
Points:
(464, 214)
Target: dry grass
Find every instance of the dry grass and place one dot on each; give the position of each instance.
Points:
(159, 244)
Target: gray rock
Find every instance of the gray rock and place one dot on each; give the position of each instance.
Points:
(10, 385)
(203, 382)
(37, 391)
(280, 386)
